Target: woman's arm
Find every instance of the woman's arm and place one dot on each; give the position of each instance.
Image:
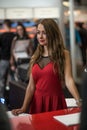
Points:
(69, 78)
(28, 97)
(29, 93)
(12, 48)
(12, 59)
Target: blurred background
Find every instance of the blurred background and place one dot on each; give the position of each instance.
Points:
(71, 15)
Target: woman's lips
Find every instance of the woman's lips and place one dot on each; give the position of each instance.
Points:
(42, 40)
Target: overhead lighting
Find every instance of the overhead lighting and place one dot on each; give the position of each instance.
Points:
(65, 3)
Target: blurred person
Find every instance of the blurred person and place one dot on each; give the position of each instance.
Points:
(83, 124)
(4, 120)
(67, 36)
(83, 47)
(78, 44)
(77, 35)
(50, 66)
(21, 44)
(5, 47)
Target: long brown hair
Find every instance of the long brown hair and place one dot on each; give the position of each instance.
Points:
(55, 47)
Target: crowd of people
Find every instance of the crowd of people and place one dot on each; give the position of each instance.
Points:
(12, 47)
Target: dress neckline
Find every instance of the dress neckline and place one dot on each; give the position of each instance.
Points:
(45, 56)
(42, 68)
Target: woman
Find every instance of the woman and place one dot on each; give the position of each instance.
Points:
(49, 67)
(21, 46)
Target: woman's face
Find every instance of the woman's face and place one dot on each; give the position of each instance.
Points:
(41, 35)
(20, 30)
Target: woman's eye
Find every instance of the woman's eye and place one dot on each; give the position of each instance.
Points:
(44, 32)
(38, 32)
(41, 33)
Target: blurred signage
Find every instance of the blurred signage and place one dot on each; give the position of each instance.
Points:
(46, 12)
(19, 13)
(2, 14)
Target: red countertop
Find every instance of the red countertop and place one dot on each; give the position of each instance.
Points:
(43, 121)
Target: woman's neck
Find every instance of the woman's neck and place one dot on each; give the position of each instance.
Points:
(21, 36)
(8, 30)
(45, 51)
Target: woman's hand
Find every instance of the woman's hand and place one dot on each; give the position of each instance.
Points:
(18, 111)
(79, 102)
(13, 68)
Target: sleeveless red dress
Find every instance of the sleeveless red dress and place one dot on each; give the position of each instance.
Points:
(48, 95)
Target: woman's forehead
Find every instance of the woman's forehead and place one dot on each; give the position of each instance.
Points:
(19, 27)
(40, 26)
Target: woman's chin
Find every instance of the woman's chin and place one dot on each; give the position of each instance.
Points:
(43, 44)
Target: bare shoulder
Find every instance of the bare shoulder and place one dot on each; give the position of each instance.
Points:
(67, 53)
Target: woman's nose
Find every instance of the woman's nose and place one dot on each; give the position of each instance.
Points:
(41, 35)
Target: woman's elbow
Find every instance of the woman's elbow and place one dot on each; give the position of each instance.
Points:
(31, 89)
(69, 81)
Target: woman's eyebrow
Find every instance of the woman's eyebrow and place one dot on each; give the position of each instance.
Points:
(40, 30)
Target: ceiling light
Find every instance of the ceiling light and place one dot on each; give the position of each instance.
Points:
(65, 3)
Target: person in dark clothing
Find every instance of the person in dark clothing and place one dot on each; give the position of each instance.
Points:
(83, 47)
(4, 121)
(83, 125)
(5, 46)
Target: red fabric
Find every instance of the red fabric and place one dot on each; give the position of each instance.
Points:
(48, 95)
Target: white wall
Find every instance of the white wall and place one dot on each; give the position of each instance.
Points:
(29, 3)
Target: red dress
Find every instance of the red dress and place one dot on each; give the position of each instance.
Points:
(48, 95)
